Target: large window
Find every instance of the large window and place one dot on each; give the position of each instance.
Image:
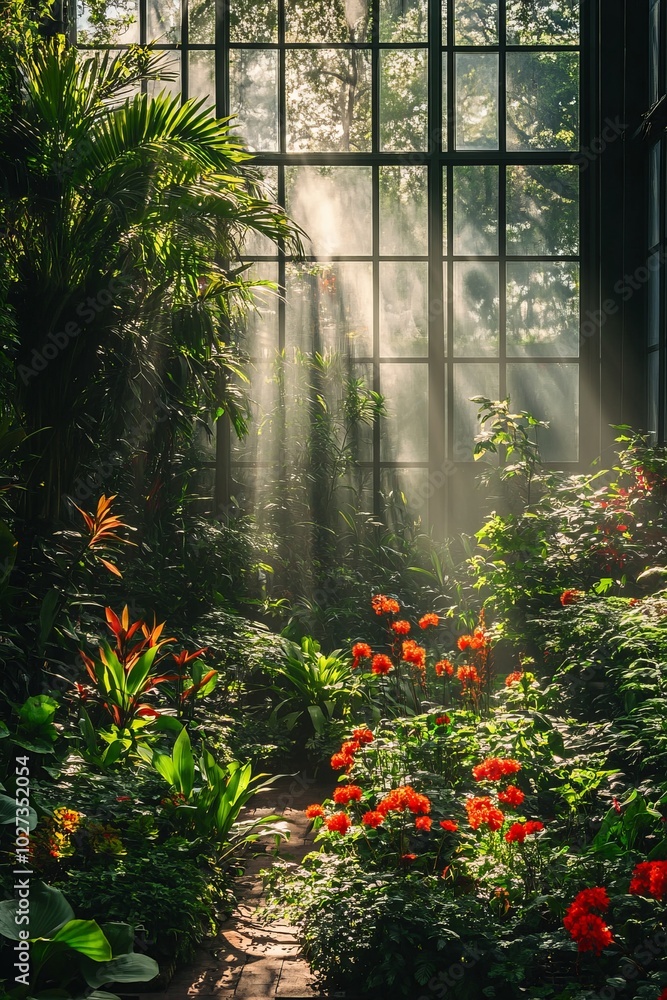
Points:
(433, 155)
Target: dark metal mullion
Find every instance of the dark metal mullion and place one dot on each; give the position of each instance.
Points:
(143, 30)
(662, 317)
(375, 242)
(448, 178)
(223, 440)
(502, 199)
(437, 392)
(185, 60)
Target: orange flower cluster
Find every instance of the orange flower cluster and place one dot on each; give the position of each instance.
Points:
(428, 620)
(515, 676)
(312, 812)
(362, 735)
(411, 652)
(338, 823)
(650, 879)
(570, 597)
(373, 818)
(450, 825)
(468, 676)
(482, 812)
(423, 823)
(494, 768)
(512, 796)
(344, 759)
(404, 797)
(444, 667)
(588, 929)
(385, 605)
(478, 640)
(381, 664)
(400, 627)
(347, 793)
(518, 832)
(360, 651)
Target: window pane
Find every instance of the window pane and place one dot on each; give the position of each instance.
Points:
(201, 73)
(403, 99)
(253, 95)
(253, 21)
(333, 205)
(543, 22)
(406, 487)
(328, 100)
(259, 445)
(403, 309)
(163, 21)
(542, 100)
(120, 25)
(260, 337)
(256, 245)
(403, 210)
(403, 20)
(476, 210)
(201, 22)
(549, 392)
(171, 67)
(444, 133)
(361, 440)
(543, 210)
(326, 20)
(543, 309)
(476, 22)
(471, 380)
(405, 429)
(476, 300)
(330, 308)
(476, 100)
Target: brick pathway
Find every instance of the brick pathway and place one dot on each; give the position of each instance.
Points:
(247, 960)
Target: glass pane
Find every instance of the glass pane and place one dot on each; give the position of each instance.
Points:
(549, 392)
(543, 210)
(445, 21)
(170, 67)
(201, 72)
(654, 195)
(403, 210)
(253, 95)
(403, 309)
(254, 244)
(476, 210)
(403, 20)
(326, 20)
(361, 440)
(471, 380)
(260, 444)
(543, 22)
(119, 23)
(476, 22)
(476, 301)
(405, 490)
(163, 21)
(328, 100)
(543, 309)
(330, 308)
(653, 393)
(403, 99)
(333, 205)
(542, 100)
(405, 429)
(476, 100)
(260, 337)
(253, 21)
(444, 131)
(654, 280)
(201, 22)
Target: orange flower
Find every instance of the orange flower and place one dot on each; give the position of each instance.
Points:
(429, 619)
(381, 664)
(338, 823)
(385, 605)
(373, 819)
(494, 768)
(444, 667)
(400, 627)
(363, 735)
(347, 793)
(312, 812)
(408, 858)
(449, 825)
(482, 812)
(413, 653)
(570, 597)
(468, 675)
(515, 676)
(404, 797)
(512, 796)
(423, 823)
(360, 651)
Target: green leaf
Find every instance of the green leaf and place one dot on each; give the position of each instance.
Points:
(49, 910)
(86, 937)
(184, 764)
(124, 969)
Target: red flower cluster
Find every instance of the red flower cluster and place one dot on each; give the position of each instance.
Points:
(414, 653)
(347, 793)
(338, 823)
(570, 597)
(494, 768)
(429, 619)
(663, 995)
(477, 640)
(385, 605)
(482, 812)
(360, 651)
(586, 928)
(312, 812)
(468, 675)
(449, 825)
(442, 720)
(423, 823)
(373, 818)
(650, 879)
(516, 675)
(518, 832)
(381, 664)
(512, 796)
(444, 667)
(400, 627)
(404, 797)
(362, 735)
(344, 759)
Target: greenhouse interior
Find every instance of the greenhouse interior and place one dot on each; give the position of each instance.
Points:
(333, 488)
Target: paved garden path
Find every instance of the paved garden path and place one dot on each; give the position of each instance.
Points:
(248, 960)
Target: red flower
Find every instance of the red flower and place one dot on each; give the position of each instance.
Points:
(347, 793)
(534, 826)
(482, 812)
(587, 928)
(381, 664)
(363, 735)
(444, 667)
(385, 605)
(516, 675)
(650, 879)
(423, 823)
(442, 720)
(663, 995)
(616, 804)
(468, 675)
(621, 527)
(518, 832)
(400, 627)
(494, 768)
(338, 823)
(464, 642)
(512, 796)
(123, 798)
(570, 597)
(340, 761)
(413, 653)
(373, 818)
(408, 858)
(360, 651)
(312, 812)
(429, 619)
(449, 825)
(404, 797)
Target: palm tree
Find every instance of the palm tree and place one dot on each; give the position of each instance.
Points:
(121, 216)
